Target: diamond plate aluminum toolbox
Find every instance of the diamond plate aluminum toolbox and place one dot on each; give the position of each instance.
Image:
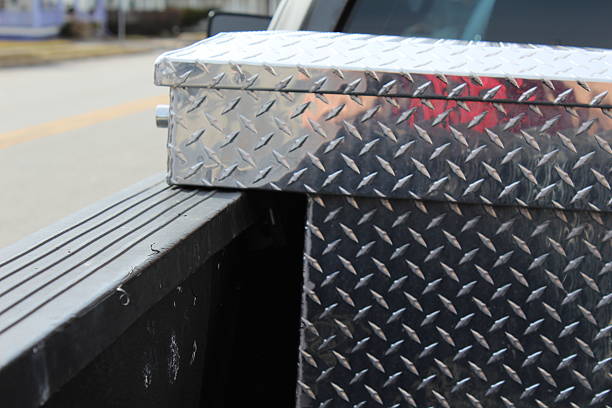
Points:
(458, 237)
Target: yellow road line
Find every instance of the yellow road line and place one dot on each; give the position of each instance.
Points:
(67, 124)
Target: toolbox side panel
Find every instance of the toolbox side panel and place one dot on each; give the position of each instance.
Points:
(417, 303)
(470, 152)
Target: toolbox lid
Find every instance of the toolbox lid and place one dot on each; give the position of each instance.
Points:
(392, 66)
(392, 117)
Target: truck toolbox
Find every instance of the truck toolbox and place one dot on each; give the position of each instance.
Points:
(458, 236)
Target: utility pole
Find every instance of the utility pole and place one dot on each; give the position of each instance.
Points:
(122, 9)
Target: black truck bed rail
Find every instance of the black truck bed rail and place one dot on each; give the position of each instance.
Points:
(69, 291)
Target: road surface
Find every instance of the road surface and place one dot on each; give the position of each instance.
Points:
(72, 133)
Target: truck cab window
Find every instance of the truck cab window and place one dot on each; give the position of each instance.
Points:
(553, 22)
(414, 18)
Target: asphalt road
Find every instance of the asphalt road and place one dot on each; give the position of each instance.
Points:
(72, 133)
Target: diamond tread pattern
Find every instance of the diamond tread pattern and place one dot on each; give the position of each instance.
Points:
(413, 303)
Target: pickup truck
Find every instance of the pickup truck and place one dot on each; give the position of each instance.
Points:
(396, 206)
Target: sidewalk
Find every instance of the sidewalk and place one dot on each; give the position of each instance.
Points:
(20, 53)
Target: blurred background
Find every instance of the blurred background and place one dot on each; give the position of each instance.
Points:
(87, 19)
(77, 98)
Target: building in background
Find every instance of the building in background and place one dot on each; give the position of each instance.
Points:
(31, 18)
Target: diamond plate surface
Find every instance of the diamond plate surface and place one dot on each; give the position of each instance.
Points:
(458, 238)
(464, 152)
(358, 64)
(410, 303)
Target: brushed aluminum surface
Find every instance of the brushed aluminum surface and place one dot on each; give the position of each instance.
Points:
(409, 303)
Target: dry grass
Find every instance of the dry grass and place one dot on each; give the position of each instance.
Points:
(19, 53)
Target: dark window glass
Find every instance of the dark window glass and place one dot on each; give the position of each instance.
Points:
(555, 22)
(323, 15)
(228, 22)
